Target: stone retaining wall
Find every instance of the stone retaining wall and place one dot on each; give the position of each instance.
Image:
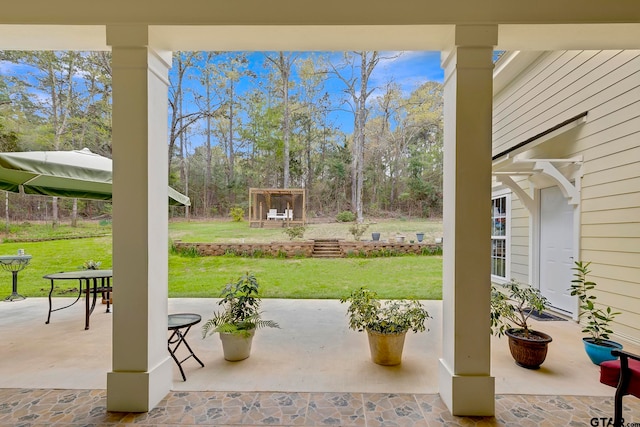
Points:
(281, 249)
(380, 248)
(305, 248)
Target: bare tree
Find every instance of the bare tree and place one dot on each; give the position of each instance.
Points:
(357, 87)
(283, 63)
(180, 121)
(227, 74)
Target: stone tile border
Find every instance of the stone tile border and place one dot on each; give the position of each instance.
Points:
(38, 407)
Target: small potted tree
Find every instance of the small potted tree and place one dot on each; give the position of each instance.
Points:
(386, 323)
(511, 309)
(597, 345)
(239, 319)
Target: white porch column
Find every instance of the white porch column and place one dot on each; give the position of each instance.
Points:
(465, 383)
(142, 369)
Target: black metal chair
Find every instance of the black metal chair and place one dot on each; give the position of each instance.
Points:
(624, 375)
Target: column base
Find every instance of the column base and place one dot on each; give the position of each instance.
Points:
(139, 391)
(466, 395)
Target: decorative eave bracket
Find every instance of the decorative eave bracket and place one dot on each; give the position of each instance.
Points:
(568, 189)
(532, 167)
(547, 167)
(526, 200)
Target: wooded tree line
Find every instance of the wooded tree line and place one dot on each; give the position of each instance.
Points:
(54, 101)
(240, 120)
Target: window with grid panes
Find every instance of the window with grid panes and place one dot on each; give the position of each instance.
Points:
(499, 232)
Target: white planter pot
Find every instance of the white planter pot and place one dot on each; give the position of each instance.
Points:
(236, 347)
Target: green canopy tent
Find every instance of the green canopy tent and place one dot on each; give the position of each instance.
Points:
(75, 174)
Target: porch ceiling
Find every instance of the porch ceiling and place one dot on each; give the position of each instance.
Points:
(322, 37)
(327, 12)
(326, 25)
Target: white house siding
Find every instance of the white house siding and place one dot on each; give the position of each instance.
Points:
(519, 241)
(554, 88)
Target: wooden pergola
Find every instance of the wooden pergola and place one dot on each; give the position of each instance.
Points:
(277, 207)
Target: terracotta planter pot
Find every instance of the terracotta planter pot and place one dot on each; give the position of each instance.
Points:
(528, 352)
(236, 347)
(386, 349)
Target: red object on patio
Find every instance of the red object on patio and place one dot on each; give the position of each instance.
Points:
(624, 375)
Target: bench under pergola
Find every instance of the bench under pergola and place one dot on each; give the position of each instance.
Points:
(277, 207)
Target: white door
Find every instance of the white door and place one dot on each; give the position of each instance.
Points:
(556, 248)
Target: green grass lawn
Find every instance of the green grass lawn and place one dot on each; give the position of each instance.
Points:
(395, 277)
(52, 257)
(45, 231)
(239, 232)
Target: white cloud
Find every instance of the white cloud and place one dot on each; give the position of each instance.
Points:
(7, 67)
(408, 69)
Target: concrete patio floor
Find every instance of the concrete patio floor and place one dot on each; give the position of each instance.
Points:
(314, 351)
(312, 372)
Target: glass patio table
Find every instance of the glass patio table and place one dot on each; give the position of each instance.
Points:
(177, 323)
(86, 278)
(14, 264)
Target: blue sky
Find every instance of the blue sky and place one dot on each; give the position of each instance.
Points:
(410, 69)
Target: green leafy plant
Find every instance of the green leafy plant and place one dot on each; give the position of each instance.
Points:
(513, 306)
(358, 229)
(241, 313)
(598, 319)
(258, 253)
(190, 251)
(296, 231)
(346, 216)
(431, 250)
(91, 265)
(367, 312)
(237, 214)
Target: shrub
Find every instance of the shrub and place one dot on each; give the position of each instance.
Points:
(230, 253)
(358, 230)
(237, 214)
(431, 250)
(257, 253)
(189, 252)
(346, 216)
(295, 231)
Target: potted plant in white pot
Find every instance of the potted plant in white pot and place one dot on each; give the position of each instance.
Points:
(386, 323)
(239, 319)
(511, 309)
(597, 345)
